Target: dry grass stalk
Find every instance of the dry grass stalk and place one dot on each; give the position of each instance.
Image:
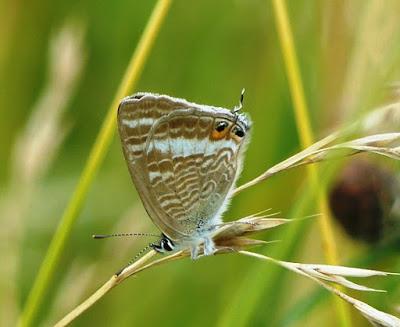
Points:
(82, 275)
(382, 144)
(232, 237)
(322, 273)
(229, 237)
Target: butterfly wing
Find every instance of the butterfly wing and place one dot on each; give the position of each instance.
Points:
(183, 170)
(136, 115)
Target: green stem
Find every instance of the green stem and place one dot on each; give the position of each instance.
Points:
(306, 137)
(50, 263)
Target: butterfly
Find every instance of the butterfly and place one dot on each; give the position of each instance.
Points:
(184, 159)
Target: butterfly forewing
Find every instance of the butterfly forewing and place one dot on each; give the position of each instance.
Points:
(136, 115)
(183, 170)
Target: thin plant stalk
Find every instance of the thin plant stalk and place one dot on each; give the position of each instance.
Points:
(306, 305)
(231, 237)
(306, 138)
(326, 274)
(47, 270)
(96, 296)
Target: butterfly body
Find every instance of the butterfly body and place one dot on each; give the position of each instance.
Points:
(184, 159)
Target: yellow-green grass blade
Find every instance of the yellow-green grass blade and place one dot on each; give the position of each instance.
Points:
(306, 137)
(47, 270)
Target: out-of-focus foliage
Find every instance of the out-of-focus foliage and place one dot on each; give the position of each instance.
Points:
(207, 52)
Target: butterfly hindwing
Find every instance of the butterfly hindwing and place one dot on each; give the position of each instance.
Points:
(195, 172)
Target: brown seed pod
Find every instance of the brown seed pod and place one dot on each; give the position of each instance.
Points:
(363, 201)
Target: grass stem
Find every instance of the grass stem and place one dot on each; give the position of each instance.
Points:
(307, 138)
(51, 261)
(96, 296)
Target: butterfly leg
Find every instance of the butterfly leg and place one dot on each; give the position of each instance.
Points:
(209, 246)
(194, 252)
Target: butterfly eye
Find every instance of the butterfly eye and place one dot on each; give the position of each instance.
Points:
(221, 126)
(238, 131)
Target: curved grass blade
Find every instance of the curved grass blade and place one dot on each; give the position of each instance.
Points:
(96, 156)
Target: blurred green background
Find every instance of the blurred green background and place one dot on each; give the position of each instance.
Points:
(60, 65)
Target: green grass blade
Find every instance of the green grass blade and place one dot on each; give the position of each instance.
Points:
(306, 138)
(96, 156)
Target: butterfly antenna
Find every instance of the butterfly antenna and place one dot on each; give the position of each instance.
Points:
(100, 236)
(240, 106)
(137, 256)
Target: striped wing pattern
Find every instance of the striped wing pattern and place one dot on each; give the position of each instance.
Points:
(182, 174)
(190, 175)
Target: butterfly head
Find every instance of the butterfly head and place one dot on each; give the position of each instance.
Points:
(165, 245)
(235, 127)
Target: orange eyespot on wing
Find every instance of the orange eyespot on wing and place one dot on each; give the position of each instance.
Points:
(220, 130)
(218, 135)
